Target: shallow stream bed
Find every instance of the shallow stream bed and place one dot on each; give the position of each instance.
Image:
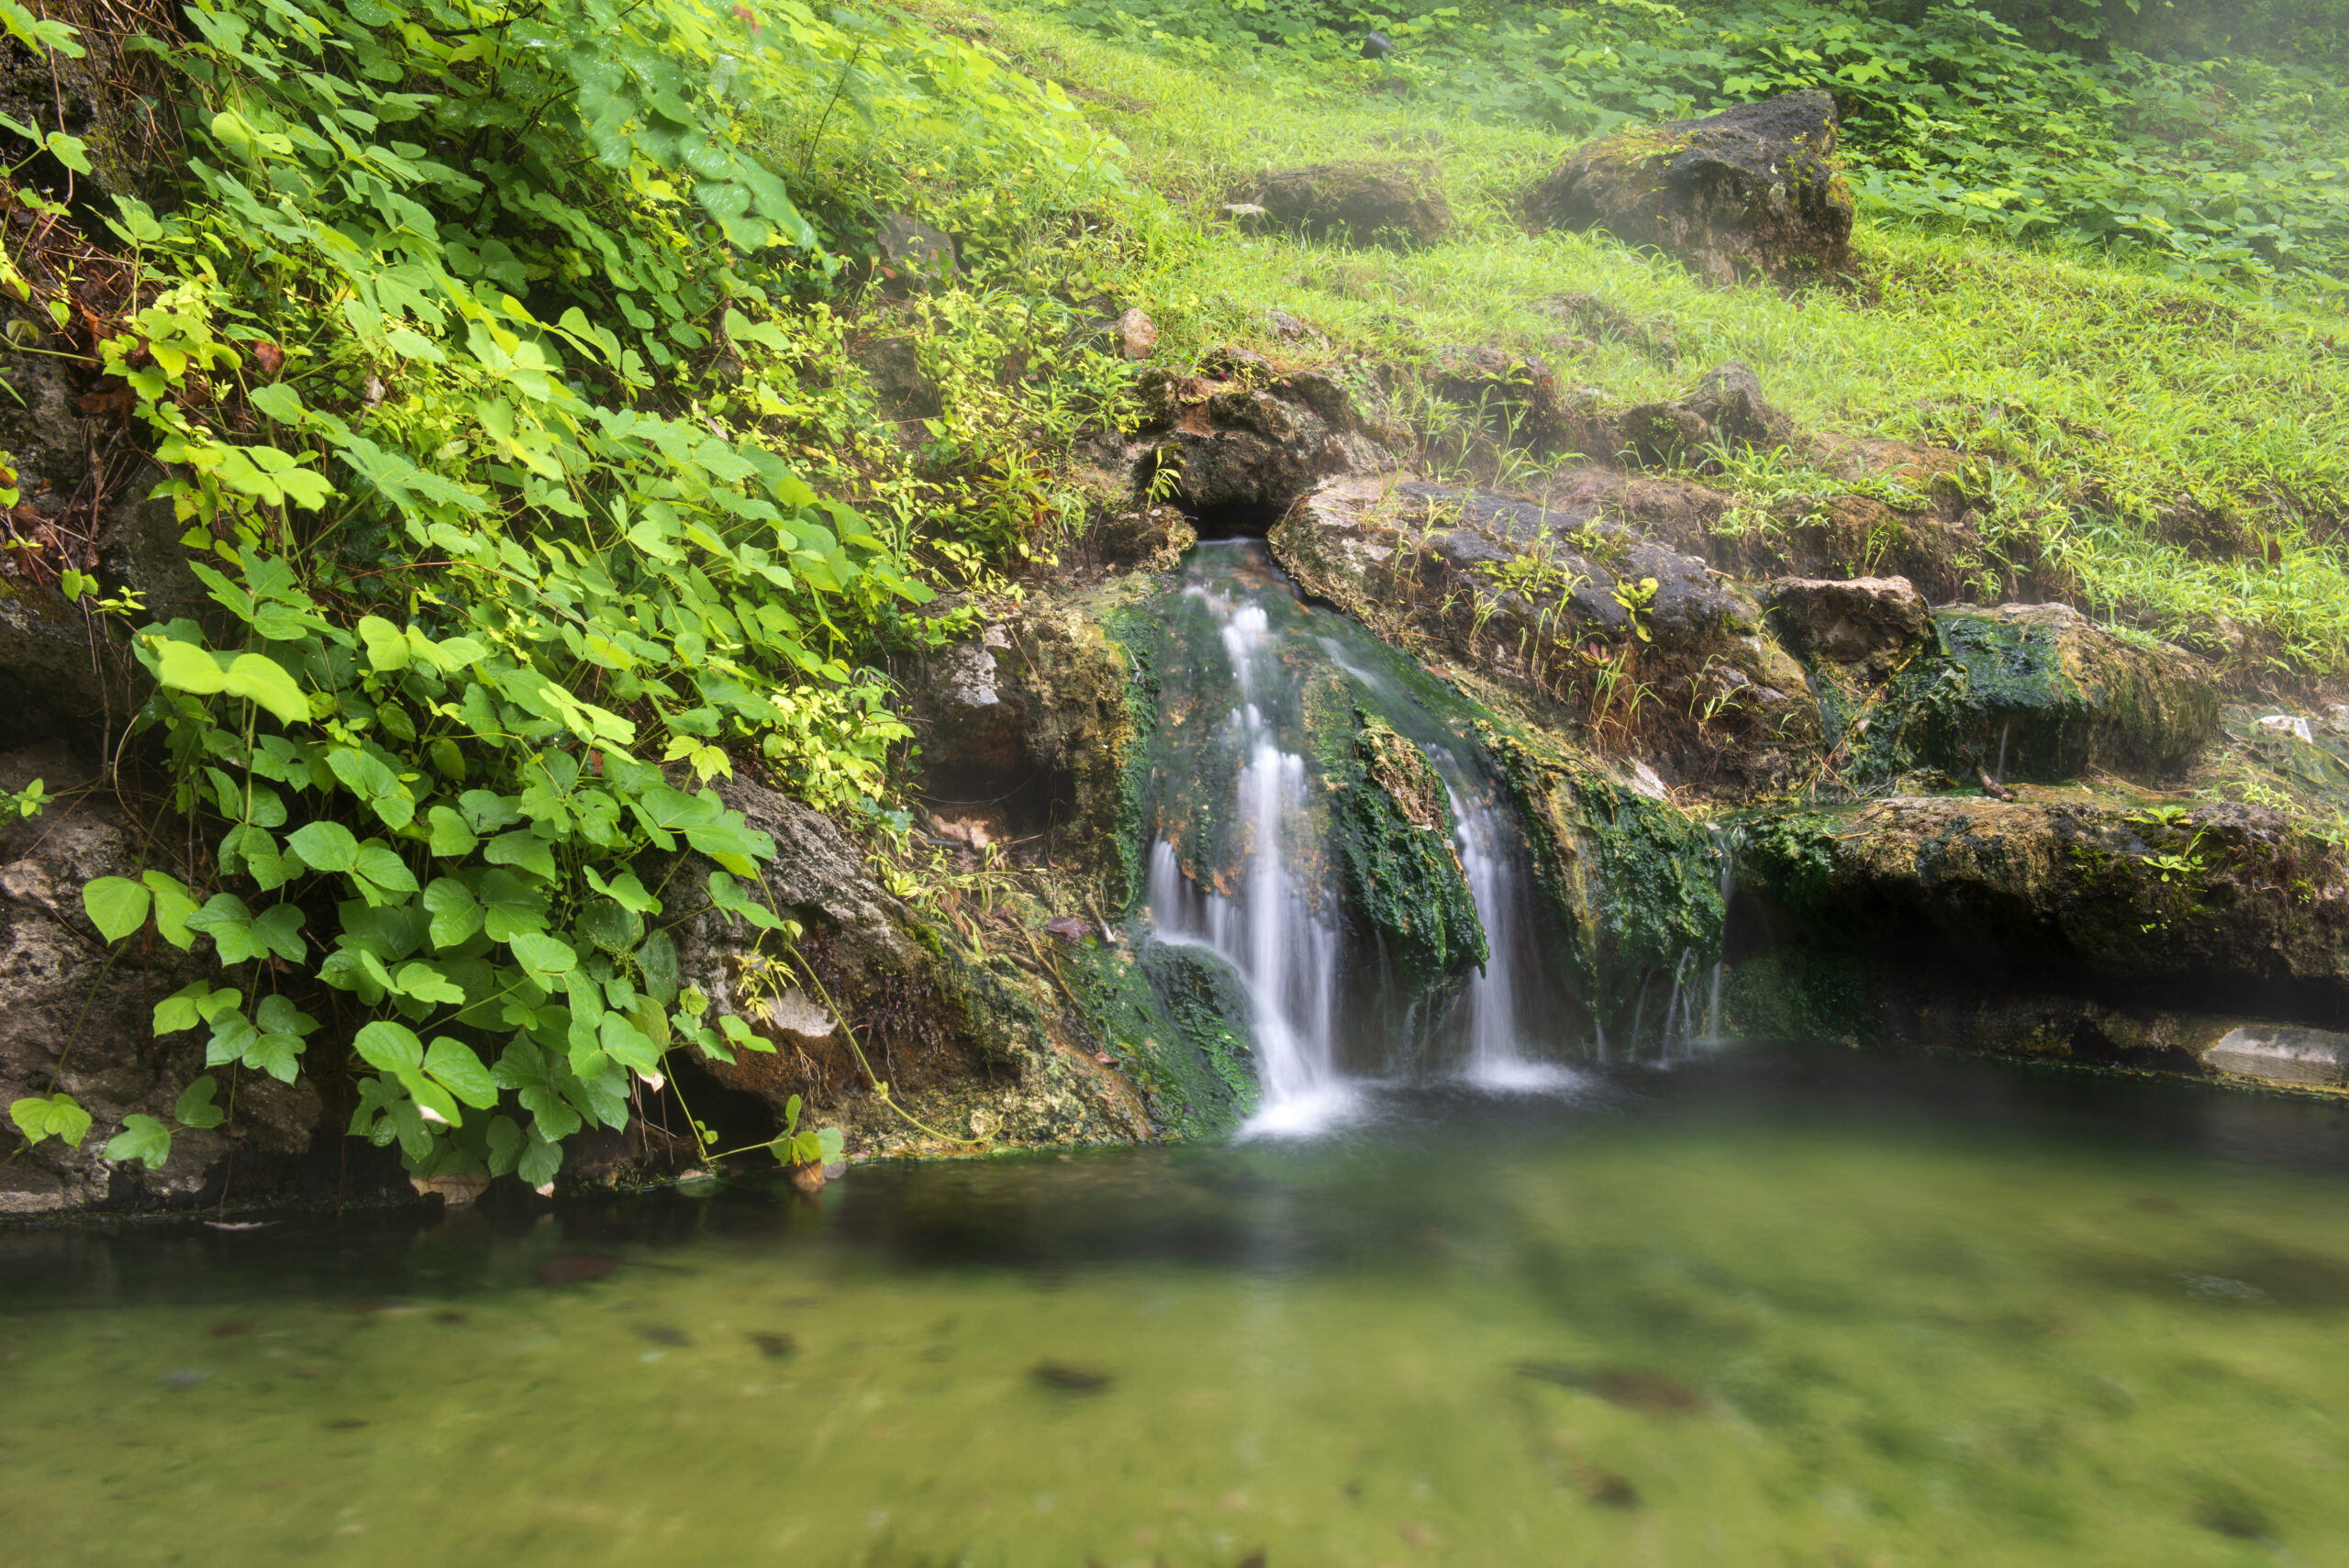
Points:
(1779, 1306)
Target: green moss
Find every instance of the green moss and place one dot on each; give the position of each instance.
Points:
(2035, 694)
(1802, 993)
(1173, 1018)
(1394, 831)
(1635, 881)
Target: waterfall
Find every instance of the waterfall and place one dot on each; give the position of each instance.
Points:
(1495, 1005)
(1726, 846)
(1245, 860)
(1269, 929)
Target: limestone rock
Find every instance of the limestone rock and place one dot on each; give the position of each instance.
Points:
(1865, 621)
(1755, 191)
(1249, 440)
(1142, 538)
(1135, 335)
(2224, 901)
(1540, 599)
(2283, 1055)
(85, 1026)
(2057, 694)
(1726, 405)
(1396, 202)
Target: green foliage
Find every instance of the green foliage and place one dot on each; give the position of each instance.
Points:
(477, 350)
(40, 1116)
(2212, 165)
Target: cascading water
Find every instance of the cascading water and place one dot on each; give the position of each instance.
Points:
(1497, 1003)
(1253, 880)
(1269, 927)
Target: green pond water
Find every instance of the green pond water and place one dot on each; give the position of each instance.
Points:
(1782, 1305)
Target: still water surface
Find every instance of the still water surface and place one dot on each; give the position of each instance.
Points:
(1781, 1306)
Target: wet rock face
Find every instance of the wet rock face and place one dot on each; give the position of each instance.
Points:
(1394, 830)
(1574, 607)
(2055, 695)
(1756, 191)
(2228, 901)
(1396, 202)
(75, 1025)
(1248, 440)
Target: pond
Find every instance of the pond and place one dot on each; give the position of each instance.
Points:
(1776, 1304)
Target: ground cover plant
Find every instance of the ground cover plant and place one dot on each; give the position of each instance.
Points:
(475, 344)
(2210, 163)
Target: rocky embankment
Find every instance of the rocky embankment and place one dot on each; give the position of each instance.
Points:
(1895, 808)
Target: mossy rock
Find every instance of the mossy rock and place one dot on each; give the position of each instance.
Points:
(1403, 876)
(2037, 692)
(1176, 1017)
(1755, 191)
(1396, 202)
(1633, 880)
(2234, 901)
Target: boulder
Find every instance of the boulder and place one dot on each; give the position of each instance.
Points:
(1396, 202)
(1134, 335)
(893, 370)
(1868, 622)
(2040, 691)
(1756, 191)
(1726, 405)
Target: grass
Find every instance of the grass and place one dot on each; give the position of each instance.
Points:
(2104, 396)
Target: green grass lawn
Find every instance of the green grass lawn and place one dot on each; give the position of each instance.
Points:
(2105, 397)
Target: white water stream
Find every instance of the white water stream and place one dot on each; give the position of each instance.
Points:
(1275, 927)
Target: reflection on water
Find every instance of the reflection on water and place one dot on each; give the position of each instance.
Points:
(1768, 1307)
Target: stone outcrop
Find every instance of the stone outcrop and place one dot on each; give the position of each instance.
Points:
(1868, 624)
(1396, 202)
(1643, 642)
(2035, 692)
(78, 1021)
(971, 1045)
(1249, 438)
(1030, 719)
(1754, 191)
(2233, 905)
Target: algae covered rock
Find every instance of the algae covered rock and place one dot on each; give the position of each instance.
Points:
(1632, 879)
(1755, 191)
(1390, 202)
(1395, 827)
(1175, 1016)
(2230, 901)
(2040, 692)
